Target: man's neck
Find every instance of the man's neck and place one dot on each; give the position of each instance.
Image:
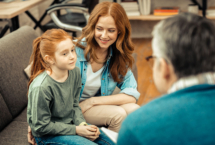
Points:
(204, 78)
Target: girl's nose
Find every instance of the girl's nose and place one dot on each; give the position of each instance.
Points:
(72, 55)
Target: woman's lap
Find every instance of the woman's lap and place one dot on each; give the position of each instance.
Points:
(109, 115)
(73, 140)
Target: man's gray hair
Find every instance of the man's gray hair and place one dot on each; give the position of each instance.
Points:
(187, 41)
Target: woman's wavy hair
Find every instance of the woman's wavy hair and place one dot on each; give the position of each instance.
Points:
(123, 48)
(45, 45)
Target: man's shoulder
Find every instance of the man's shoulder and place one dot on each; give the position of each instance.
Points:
(154, 109)
(173, 105)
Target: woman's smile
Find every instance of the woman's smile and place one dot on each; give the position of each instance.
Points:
(104, 41)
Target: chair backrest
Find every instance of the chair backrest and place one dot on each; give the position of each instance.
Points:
(90, 4)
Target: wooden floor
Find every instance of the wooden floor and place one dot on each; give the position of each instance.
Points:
(146, 85)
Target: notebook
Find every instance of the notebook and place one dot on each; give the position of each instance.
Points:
(111, 134)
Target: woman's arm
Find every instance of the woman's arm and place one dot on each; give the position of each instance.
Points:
(129, 85)
(128, 94)
(118, 99)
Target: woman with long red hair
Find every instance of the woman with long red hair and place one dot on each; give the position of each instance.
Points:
(105, 59)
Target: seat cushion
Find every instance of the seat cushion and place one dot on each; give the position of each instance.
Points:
(5, 115)
(16, 132)
(22, 116)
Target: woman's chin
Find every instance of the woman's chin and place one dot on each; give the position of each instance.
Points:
(104, 46)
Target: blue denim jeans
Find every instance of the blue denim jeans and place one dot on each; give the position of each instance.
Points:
(73, 140)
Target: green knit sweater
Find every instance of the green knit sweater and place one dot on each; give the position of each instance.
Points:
(53, 107)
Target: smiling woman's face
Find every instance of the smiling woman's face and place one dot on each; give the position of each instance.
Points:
(105, 31)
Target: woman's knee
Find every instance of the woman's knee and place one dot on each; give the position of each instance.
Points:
(120, 113)
(116, 120)
(130, 107)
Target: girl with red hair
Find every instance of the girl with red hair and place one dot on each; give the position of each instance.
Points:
(105, 59)
(53, 111)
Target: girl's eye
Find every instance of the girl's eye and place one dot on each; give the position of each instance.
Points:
(99, 29)
(64, 53)
(111, 30)
(72, 50)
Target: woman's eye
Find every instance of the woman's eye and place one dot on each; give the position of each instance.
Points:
(72, 50)
(64, 53)
(99, 29)
(111, 30)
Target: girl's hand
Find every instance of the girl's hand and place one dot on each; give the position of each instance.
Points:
(85, 130)
(97, 133)
(30, 137)
(86, 104)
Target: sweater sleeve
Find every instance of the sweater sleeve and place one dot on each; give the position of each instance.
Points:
(39, 115)
(126, 134)
(78, 116)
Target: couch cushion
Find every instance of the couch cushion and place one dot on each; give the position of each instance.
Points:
(27, 71)
(16, 132)
(15, 51)
(22, 117)
(5, 115)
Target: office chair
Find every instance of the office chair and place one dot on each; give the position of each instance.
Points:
(71, 21)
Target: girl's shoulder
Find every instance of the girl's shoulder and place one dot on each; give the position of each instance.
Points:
(39, 80)
(40, 85)
(76, 71)
(75, 75)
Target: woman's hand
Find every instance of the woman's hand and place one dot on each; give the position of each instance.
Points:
(86, 104)
(91, 132)
(31, 139)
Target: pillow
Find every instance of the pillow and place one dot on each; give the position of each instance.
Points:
(27, 71)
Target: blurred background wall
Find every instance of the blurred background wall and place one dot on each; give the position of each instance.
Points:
(140, 29)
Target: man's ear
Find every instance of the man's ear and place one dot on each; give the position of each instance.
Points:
(165, 69)
(49, 59)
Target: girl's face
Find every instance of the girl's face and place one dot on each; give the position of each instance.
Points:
(105, 31)
(65, 55)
